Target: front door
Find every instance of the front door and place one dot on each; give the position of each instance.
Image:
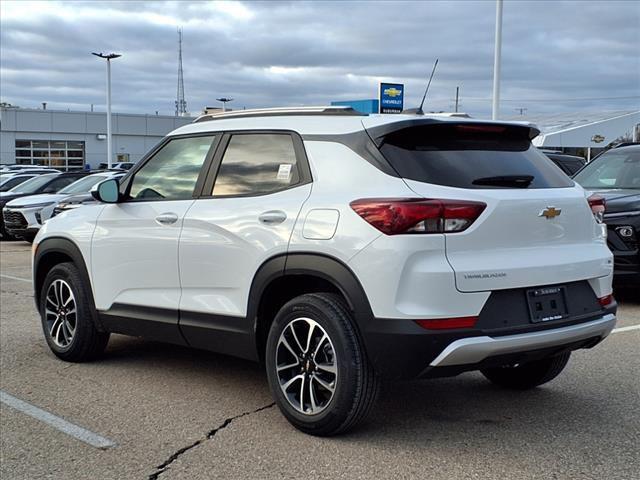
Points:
(135, 245)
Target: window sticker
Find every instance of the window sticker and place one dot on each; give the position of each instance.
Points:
(284, 171)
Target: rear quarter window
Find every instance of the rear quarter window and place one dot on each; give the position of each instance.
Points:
(471, 156)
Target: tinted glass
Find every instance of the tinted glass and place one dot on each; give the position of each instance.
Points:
(12, 182)
(171, 174)
(58, 184)
(32, 185)
(614, 169)
(459, 155)
(83, 185)
(255, 164)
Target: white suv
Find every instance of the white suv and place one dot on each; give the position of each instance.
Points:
(338, 249)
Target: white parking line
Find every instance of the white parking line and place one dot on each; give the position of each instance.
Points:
(56, 422)
(626, 329)
(11, 277)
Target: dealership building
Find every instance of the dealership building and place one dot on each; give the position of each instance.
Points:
(584, 133)
(77, 140)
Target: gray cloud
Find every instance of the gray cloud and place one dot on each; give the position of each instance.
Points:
(292, 53)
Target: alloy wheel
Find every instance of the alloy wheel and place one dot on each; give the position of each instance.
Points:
(61, 313)
(306, 366)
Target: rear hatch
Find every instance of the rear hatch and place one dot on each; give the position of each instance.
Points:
(537, 227)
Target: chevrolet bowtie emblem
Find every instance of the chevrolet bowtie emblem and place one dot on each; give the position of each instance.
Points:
(550, 212)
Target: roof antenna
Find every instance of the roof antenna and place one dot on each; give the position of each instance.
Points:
(419, 111)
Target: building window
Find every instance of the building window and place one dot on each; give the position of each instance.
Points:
(51, 153)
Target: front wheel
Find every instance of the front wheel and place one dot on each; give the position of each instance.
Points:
(528, 375)
(317, 368)
(65, 311)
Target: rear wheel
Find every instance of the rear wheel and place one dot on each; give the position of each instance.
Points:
(317, 369)
(65, 311)
(528, 375)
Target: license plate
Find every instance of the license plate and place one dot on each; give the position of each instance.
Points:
(547, 303)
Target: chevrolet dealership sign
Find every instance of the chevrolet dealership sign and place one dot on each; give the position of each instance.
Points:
(391, 97)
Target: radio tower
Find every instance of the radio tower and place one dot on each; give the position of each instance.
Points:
(181, 103)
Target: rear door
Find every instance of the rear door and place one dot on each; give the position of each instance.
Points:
(537, 228)
(251, 200)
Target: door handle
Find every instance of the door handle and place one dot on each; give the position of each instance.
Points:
(272, 217)
(167, 218)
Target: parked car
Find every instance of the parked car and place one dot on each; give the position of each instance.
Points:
(339, 249)
(46, 183)
(569, 164)
(24, 216)
(34, 171)
(19, 168)
(10, 181)
(72, 202)
(117, 165)
(615, 176)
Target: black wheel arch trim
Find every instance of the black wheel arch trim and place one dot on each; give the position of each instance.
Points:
(65, 246)
(315, 264)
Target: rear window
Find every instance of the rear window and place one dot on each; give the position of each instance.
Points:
(471, 156)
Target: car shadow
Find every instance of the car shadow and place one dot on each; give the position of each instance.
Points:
(424, 411)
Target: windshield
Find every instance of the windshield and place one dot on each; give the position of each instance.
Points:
(83, 185)
(32, 185)
(614, 169)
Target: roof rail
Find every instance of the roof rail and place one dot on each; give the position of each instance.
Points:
(281, 111)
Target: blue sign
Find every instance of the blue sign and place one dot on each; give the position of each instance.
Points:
(391, 97)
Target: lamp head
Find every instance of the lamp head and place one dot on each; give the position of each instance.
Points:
(108, 56)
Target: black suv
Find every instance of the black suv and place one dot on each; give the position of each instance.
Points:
(569, 164)
(615, 175)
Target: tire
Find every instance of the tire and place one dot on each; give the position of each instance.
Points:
(4, 234)
(73, 337)
(28, 237)
(527, 375)
(355, 384)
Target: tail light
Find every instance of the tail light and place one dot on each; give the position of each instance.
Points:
(597, 204)
(395, 216)
(606, 300)
(447, 323)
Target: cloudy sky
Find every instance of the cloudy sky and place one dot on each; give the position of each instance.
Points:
(557, 56)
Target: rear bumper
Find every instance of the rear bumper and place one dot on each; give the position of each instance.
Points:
(477, 349)
(400, 349)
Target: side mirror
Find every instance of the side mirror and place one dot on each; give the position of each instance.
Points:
(106, 191)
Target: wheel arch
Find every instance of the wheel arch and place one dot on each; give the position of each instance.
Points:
(53, 251)
(284, 277)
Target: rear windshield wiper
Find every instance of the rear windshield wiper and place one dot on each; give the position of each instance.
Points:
(514, 181)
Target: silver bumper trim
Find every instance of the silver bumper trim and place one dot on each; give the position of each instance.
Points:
(475, 349)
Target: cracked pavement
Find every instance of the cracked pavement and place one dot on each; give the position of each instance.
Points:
(167, 463)
(176, 413)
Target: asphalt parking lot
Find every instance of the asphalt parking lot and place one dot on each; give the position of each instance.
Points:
(175, 413)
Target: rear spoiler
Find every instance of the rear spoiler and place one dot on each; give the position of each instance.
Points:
(378, 133)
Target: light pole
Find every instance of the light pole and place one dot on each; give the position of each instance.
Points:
(496, 61)
(224, 101)
(108, 57)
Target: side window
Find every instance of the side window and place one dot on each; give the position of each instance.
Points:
(255, 164)
(59, 184)
(172, 173)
